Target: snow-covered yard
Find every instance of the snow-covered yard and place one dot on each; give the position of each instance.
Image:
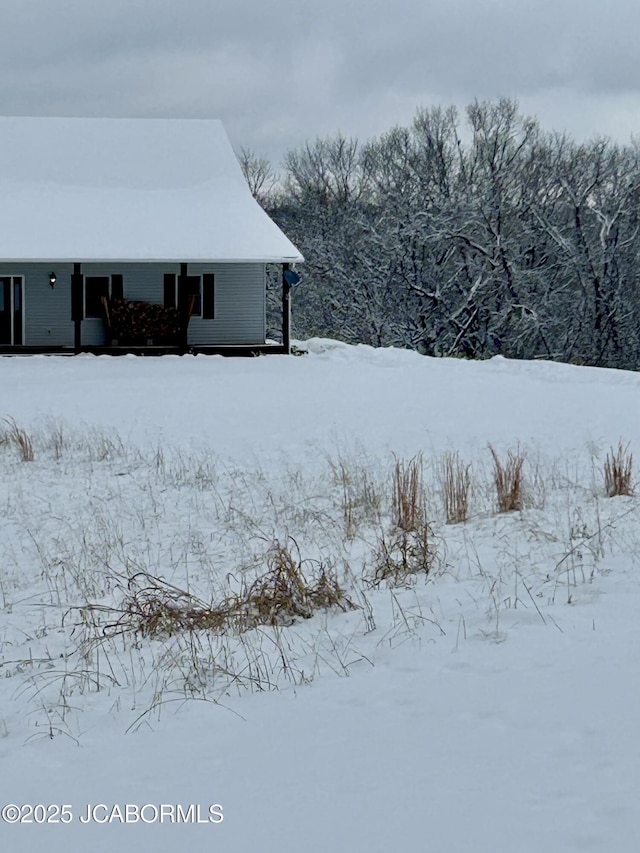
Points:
(482, 696)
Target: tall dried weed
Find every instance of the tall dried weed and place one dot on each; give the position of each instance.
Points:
(507, 478)
(20, 438)
(618, 467)
(455, 480)
(408, 494)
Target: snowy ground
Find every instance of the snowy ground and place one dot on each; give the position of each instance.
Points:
(489, 705)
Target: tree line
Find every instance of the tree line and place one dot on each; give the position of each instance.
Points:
(465, 238)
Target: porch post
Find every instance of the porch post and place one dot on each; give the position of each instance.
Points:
(76, 306)
(286, 311)
(183, 305)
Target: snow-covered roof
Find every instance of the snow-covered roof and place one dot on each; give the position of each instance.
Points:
(85, 189)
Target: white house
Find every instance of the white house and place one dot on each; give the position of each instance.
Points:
(101, 215)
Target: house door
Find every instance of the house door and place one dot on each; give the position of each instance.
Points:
(11, 310)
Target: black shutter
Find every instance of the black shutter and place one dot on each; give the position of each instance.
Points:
(170, 290)
(117, 287)
(208, 296)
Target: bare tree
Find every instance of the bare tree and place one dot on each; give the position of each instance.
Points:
(506, 240)
(259, 175)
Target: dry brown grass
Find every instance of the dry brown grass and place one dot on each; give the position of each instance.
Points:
(618, 467)
(398, 560)
(508, 479)
(283, 594)
(408, 494)
(152, 607)
(456, 483)
(19, 438)
(361, 501)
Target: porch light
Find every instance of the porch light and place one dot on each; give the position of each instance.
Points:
(52, 279)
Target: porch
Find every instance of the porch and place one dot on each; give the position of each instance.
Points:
(242, 350)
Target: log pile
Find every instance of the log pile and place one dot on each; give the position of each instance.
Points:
(143, 323)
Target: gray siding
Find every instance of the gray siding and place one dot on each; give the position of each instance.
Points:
(239, 301)
(239, 305)
(47, 312)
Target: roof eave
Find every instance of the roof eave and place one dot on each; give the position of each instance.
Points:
(289, 259)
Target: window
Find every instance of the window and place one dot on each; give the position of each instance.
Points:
(11, 314)
(200, 287)
(95, 288)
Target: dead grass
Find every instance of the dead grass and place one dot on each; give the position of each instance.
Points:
(361, 501)
(408, 494)
(57, 440)
(508, 480)
(456, 482)
(399, 559)
(20, 439)
(153, 607)
(618, 467)
(283, 594)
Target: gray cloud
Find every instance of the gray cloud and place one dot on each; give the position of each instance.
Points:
(278, 73)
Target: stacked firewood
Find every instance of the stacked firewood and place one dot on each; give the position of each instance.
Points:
(143, 323)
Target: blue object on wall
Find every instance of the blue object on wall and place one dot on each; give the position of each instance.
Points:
(291, 277)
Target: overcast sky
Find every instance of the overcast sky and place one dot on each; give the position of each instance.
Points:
(279, 72)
